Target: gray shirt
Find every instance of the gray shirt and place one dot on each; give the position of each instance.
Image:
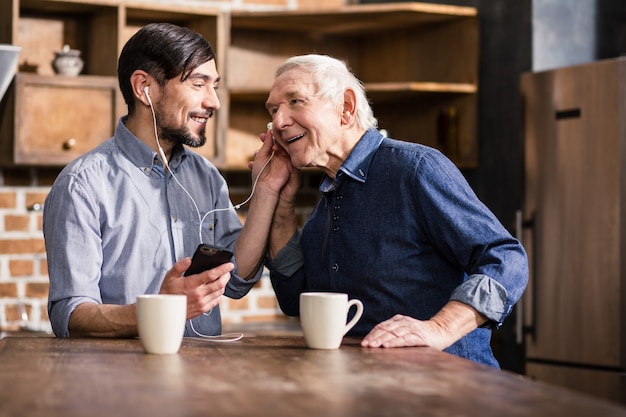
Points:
(114, 223)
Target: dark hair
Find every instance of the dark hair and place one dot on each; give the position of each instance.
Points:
(164, 51)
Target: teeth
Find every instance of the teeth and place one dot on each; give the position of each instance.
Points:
(200, 119)
(295, 138)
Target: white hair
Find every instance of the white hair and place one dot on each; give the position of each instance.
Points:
(332, 78)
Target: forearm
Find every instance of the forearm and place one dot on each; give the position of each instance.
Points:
(103, 320)
(284, 226)
(457, 319)
(251, 244)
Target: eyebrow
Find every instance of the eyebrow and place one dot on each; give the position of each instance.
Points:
(203, 77)
(289, 95)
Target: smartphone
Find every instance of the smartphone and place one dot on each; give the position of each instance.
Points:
(208, 257)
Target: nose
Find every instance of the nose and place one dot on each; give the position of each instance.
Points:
(211, 100)
(281, 118)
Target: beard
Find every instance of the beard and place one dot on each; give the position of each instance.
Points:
(182, 135)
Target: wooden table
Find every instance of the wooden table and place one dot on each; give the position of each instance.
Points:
(265, 376)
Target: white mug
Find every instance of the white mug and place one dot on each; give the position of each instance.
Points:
(323, 318)
(161, 322)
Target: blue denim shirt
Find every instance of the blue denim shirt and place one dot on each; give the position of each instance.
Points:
(401, 230)
(114, 223)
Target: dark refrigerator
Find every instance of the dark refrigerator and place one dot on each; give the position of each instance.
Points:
(574, 227)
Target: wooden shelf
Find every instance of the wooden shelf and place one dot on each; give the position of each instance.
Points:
(353, 19)
(378, 89)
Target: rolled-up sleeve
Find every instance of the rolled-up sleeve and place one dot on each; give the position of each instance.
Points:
(290, 258)
(486, 296)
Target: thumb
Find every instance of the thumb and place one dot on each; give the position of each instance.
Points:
(180, 267)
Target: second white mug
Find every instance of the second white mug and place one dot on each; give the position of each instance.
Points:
(323, 317)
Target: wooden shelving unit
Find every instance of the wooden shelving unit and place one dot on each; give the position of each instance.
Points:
(99, 28)
(415, 60)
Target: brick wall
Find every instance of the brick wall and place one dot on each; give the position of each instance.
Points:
(23, 267)
(24, 279)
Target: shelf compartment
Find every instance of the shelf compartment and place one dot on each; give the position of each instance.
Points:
(57, 119)
(44, 27)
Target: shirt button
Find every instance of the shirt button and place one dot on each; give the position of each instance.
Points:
(337, 207)
(335, 217)
(336, 229)
(335, 267)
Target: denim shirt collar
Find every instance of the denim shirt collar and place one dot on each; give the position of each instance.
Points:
(140, 154)
(357, 164)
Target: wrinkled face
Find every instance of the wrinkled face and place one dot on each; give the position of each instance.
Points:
(184, 108)
(304, 124)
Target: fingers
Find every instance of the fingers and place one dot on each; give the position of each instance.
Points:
(382, 333)
(207, 294)
(398, 331)
(203, 290)
(209, 275)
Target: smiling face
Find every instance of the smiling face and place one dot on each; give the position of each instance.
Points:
(184, 107)
(306, 125)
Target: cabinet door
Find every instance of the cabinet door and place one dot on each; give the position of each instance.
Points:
(59, 118)
(573, 189)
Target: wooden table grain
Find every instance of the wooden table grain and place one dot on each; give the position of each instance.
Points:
(265, 376)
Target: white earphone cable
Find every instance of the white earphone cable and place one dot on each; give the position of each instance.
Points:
(230, 337)
(166, 165)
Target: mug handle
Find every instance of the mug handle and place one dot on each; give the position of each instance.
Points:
(359, 312)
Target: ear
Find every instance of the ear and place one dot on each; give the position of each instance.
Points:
(139, 80)
(348, 115)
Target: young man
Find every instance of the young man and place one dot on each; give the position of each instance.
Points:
(124, 219)
(397, 227)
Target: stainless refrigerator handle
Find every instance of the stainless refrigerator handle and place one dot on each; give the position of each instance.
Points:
(528, 299)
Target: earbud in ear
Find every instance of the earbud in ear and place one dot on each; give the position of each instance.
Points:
(146, 90)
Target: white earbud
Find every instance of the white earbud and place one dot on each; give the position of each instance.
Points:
(147, 91)
(161, 152)
(270, 125)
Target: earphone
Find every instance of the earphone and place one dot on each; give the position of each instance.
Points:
(166, 164)
(146, 90)
(220, 338)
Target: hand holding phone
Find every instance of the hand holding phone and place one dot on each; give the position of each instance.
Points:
(208, 257)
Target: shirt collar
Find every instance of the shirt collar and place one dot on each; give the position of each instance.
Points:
(357, 164)
(140, 154)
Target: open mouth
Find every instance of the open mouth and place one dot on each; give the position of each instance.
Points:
(201, 120)
(295, 138)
